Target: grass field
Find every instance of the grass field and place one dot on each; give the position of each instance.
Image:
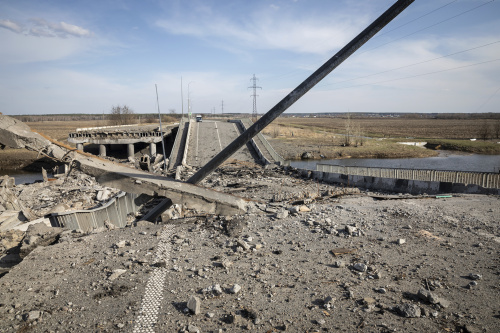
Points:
(396, 127)
(326, 136)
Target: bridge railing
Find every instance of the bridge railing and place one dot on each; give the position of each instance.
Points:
(483, 179)
(177, 142)
(247, 122)
(115, 212)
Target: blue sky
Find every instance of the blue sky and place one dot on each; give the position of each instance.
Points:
(61, 56)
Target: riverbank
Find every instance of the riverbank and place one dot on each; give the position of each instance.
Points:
(291, 148)
(475, 147)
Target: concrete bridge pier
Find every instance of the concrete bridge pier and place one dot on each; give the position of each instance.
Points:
(102, 150)
(130, 150)
(152, 149)
(79, 146)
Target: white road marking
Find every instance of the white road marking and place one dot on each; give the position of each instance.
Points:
(197, 139)
(220, 144)
(153, 296)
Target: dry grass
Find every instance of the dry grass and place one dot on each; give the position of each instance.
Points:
(391, 127)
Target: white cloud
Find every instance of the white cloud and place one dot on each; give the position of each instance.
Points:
(42, 28)
(12, 26)
(274, 29)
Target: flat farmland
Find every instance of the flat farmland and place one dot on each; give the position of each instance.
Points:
(397, 127)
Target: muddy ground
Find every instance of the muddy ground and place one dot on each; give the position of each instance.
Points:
(306, 257)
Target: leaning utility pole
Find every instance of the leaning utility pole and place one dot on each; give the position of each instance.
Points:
(254, 95)
(303, 88)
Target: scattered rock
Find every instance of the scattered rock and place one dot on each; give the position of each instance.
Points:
(214, 290)
(32, 315)
(194, 305)
(282, 214)
(235, 289)
(474, 276)
(116, 273)
(409, 310)
(360, 267)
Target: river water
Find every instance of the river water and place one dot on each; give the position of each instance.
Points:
(23, 177)
(445, 161)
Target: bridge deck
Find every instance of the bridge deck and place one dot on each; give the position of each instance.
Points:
(208, 138)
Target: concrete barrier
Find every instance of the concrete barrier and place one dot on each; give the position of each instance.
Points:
(172, 161)
(408, 180)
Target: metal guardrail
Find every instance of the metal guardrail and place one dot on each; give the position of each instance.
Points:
(115, 212)
(247, 122)
(483, 179)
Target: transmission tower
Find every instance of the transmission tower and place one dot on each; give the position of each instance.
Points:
(254, 95)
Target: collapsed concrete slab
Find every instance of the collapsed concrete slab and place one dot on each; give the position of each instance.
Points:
(16, 134)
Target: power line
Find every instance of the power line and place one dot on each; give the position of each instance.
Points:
(414, 64)
(430, 26)
(487, 100)
(420, 17)
(416, 19)
(418, 75)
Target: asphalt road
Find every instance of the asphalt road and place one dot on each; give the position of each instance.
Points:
(208, 138)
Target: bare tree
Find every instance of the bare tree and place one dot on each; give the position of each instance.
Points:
(172, 111)
(121, 115)
(348, 131)
(496, 129)
(484, 131)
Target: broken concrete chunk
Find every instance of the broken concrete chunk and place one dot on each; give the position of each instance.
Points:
(116, 273)
(194, 305)
(427, 296)
(243, 244)
(409, 310)
(360, 267)
(282, 214)
(214, 290)
(235, 289)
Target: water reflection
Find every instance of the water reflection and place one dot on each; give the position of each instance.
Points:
(445, 161)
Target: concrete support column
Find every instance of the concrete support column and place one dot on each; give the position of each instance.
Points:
(102, 150)
(79, 146)
(152, 149)
(130, 150)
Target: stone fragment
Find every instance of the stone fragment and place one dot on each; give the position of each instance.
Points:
(193, 329)
(214, 290)
(328, 302)
(116, 273)
(474, 276)
(120, 244)
(427, 296)
(194, 305)
(401, 241)
(103, 195)
(360, 267)
(235, 289)
(243, 244)
(282, 214)
(351, 230)
(304, 209)
(32, 315)
(339, 264)
(409, 310)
